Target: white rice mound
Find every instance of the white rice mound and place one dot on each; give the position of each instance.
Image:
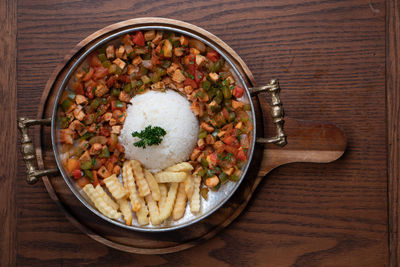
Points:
(170, 111)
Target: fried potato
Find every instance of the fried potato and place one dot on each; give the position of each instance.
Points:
(180, 167)
(153, 210)
(142, 213)
(125, 210)
(195, 199)
(189, 186)
(141, 182)
(99, 202)
(115, 187)
(180, 203)
(169, 203)
(163, 196)
(170, 177)
(155, 190)
(106, 197)
(129, 184)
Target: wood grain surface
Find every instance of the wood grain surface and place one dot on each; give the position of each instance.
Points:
(393, 118)
(330, 59)
(8, 136)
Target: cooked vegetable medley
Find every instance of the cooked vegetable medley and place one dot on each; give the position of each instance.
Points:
(93, 108)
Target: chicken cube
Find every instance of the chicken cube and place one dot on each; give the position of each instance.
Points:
(101, 90)
(200, 59)
(120, 52)
(81, 100)
(178, 76)
(116, 129)
(120, 63)
(66, 136)
(110, 51)
(95, 149)
(137, 60)
(149, 35)
(214, 76)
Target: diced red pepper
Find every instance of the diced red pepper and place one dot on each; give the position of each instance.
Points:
(231, 140)
(225, 113)
(77, 173)
(94, 61)
(100, 72)
(104, 131)
(213, 56)
(95, 178)
(190, 82)
(198, 76)
(240, 155)
(88, 75)
(78, 88)
(238, 91)
(138, 38)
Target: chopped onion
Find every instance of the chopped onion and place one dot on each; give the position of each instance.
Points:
(147, 64)
(198, 45)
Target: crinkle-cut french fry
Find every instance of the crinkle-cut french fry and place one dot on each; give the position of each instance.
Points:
(141, 182)
(142, 213)
(106, 197)
(189, 186)
(99, 202)
(155, 190)
(163, 196)
(195, 199)
(169, 203)
(170, 177)
(180, 167)
(115, 187)
(125, 210)
(153, 210)
(129, 184)
(180, 203)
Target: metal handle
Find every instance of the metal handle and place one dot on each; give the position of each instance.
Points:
(28, 151)
(277, 112)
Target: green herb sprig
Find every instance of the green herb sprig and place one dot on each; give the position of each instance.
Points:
(149, 136)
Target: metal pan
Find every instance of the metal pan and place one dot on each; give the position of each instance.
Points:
(216, 199)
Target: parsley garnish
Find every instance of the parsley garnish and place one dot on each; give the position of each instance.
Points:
(149, 136)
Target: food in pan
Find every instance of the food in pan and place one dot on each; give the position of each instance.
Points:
(152, 122)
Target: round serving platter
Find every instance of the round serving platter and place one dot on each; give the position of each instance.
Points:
(307, 142)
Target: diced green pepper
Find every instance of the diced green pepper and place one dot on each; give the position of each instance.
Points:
(206, 85)
(216, 188)
(146, 56)
(202, 172)
(161, 71)
(64, 122)
(234, 178)
(202, 133)
(86, 136)
(223, 178)
(66, 104)
(232, 116)
(247, 107)
(145, 79)
(106, 64)
(165, 64)
(119, 104)
(226, 92)
(200, 94)
(128, 88)
(115, 92)
(219, 97)
(88, 173)
(204, 162)
(154, 77)
(105, 153)
(86, 165)
(102, 57)
(95, 103)
(143, 70)
(71, 95)
(204, 192)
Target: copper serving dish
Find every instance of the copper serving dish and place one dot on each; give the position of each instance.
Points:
(107, 35)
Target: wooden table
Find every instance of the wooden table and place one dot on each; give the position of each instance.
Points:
(337, 61)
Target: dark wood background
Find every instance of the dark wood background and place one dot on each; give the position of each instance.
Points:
(337, 61)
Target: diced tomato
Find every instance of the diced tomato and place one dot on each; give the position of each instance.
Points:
(238, 91)
(95, 61)
(190, 62)
(138, 38)
(88, 75)
(110, 82)
(155, 60)
(230, 140)
(104, 131)
(225, 113)
(124, 78)
(240, 155)
(190, 82)
(78, 88)
(213, 56)
(95, 178)
(230, 149)
(83, 181)
(77, 173)
(214, 158)
(198, 76)
(100, 72)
